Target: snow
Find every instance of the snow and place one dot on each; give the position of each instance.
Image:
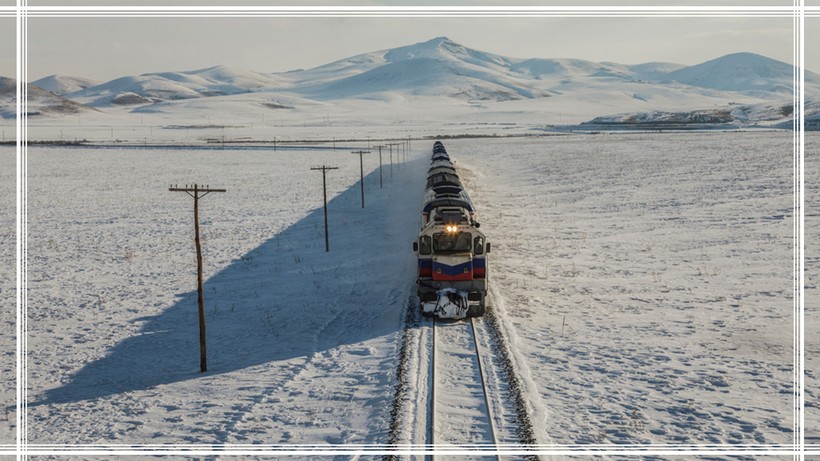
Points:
(450, 304)
(461, 413)
(644, 282)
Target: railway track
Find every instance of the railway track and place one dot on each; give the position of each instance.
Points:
(461, 412)
(457, 392)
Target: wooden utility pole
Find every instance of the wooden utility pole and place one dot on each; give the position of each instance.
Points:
(196, 192)
(324, 169)
(381, 181)
(361, 170)
(391, 156)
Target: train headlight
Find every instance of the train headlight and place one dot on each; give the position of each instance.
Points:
(451, 229)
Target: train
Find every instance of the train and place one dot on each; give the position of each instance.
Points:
(452, 252)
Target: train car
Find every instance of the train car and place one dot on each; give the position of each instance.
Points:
(452, 251)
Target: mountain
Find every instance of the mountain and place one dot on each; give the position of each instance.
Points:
(653, 70)
(445, 77)
(155, 87)
(63, 85)
(542, 68)
(437, 67)
(747, 73)
(443, 67)
(428, 77)
(40, 101)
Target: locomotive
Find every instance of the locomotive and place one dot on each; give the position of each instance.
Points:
(452, 251)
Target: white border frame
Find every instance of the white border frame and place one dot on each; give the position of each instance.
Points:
(798, 12)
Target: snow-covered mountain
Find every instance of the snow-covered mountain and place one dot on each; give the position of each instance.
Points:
(164, 86)
(654, 70)
(441, 74)
(441, 67)
(437, 67)
(62, 84)
(747, 73)
(542, 68)
(40, 101)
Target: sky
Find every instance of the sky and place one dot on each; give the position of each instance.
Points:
(106, 48)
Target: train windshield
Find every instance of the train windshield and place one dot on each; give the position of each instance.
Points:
(451, 243)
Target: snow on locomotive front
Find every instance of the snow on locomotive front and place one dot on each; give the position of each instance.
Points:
(452, 251)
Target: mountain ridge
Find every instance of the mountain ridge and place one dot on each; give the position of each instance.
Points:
(449, 69)
(443, 74)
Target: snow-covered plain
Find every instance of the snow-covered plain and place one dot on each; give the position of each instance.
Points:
(648, 279)
(301, 342)
(645, 281)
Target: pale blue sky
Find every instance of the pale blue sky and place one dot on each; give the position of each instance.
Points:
(106, 48)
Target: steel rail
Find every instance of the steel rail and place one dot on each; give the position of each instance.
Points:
(490, 419)
(432, 393)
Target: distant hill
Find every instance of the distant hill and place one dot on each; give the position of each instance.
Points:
(165, 86)
(62, 85)
(653, 70)
(747, 73)
(40, 101)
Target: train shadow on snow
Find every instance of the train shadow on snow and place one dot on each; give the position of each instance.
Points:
(285, 299)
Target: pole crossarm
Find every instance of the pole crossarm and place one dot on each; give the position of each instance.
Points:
(195, 189)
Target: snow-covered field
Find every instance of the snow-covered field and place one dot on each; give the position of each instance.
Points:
(645, 280)
(648, 279)
(301, 342)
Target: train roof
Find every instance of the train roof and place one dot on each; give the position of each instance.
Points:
(439, 169)
(447, 202)
(443, 179)
(440, 161)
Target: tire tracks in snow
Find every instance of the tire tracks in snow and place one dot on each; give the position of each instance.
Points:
(242, 412)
